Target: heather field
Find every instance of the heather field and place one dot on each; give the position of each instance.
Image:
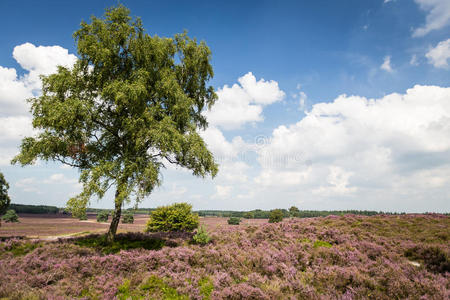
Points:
(348, 257)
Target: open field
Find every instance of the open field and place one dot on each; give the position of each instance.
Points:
(348, 257)
(50, 226)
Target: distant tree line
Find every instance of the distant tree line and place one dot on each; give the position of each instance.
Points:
(252, 214)
(34, 209)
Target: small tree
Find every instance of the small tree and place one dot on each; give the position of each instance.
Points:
(102, 216)
(176, 217)
(4, 197)
(128, 218)
(276, 216)
(234, 221)
(131, 104)
(11, 216)
(249, 215)
(294, 211)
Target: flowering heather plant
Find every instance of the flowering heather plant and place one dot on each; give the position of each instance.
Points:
(345, 257)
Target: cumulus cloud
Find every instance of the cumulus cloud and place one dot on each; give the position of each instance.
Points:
(386, 65)
(439, 55)
(242, 103)
(398, 145)
(15, 118)
(438, 16)
(41, 60)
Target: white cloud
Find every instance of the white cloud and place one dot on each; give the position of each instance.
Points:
(243, 103)
(222, 191)
(15, 118)
(397, 145)
(414, 61)
(386, 65)
(439, 55)
(338, 180)
(41, 60)
(438, 16)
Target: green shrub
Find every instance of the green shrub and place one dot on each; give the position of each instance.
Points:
(276, 216)
(102, 216)
(320, 243)
(11, 216)
(176, 217)
(82, 217)
(234, 221)
(201, 237)
(128, 218)
(249, 215)
(294, 212)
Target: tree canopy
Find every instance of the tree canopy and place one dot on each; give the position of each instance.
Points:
(130, 105)
(4, 197)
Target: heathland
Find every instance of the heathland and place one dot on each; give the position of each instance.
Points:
(333, 257)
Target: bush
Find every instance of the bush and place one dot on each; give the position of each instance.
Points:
(128, 218)
(201, 237)
(82, 216)
(276, 216)
(176, 217)
(294, 212)
(249, 215)
(234, 221)
(102, 216)
(11, 216)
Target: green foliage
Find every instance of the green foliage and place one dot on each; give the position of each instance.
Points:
(128, 218)
(10, 216)
(201, 237)
(206, 287)
(234, 221)
(103, 216)
(34, 209)
(130, 105)
(156, 285)
(4, 197)
(249, 215)
(175, 217)
(276, 216)
(294, 211)
(82, 216)
(320, 243)
(23, 248)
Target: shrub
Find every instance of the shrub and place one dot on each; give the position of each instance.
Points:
(82, 216)
(249, 215)
(11, 216)
(201, 237)
(102, 216)
(276, 216)
(128, 218)
(176, 217)
(234, 221)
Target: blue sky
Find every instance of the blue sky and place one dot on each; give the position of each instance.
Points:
(295, 139)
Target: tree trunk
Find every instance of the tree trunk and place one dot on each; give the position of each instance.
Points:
(115, 217)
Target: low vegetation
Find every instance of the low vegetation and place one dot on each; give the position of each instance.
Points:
(276, 216)
(336, 257)
(10, 216)
(128, 218)
(103, 216)
(234, 221)
(175, 217)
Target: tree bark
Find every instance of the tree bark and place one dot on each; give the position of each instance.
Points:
(115, 217)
